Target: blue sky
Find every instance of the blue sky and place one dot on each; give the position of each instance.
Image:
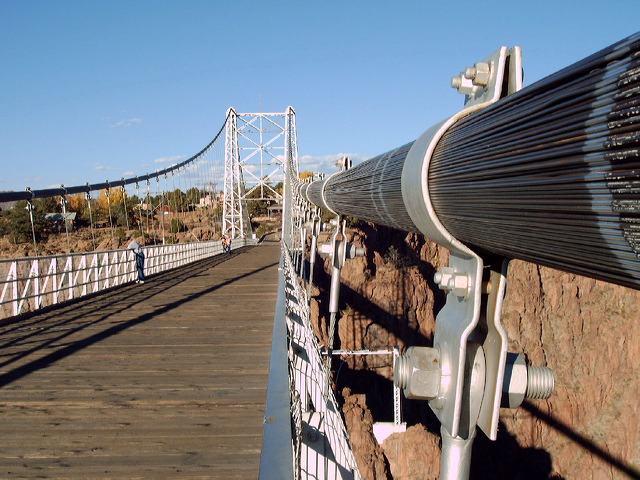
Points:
(91, 90)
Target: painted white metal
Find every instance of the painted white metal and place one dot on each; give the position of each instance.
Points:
(29, 284)
(260, 148)
(461, 312)
(233, 207)
(397, 405)
(309, 382)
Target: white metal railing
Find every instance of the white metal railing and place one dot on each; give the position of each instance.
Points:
(309, 372)
(31, 283)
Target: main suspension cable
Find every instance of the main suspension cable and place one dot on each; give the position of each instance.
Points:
(550, 174)
(28, 194)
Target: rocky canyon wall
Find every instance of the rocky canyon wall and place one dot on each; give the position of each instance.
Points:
(585, 330)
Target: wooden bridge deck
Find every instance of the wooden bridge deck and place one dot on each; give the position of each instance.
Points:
(165, 380)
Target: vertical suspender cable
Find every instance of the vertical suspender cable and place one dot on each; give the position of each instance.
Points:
(161, 206)
(108, 194)
(190, 197)
(93, 236)
(174, 224)
(183, 200)
(30, 208)
(151, 230)
(214, 177)
(63, 201)
(124, 205)
(139, 209)
(168, 200)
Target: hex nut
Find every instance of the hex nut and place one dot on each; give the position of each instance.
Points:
(418, 373)
(470, 73)
(325, 250)
(514, 385)
(482, 73)
(459, 284)
(443, 276)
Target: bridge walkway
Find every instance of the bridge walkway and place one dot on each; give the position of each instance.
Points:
(162, 380)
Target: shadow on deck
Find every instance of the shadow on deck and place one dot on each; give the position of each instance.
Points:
(165, 379)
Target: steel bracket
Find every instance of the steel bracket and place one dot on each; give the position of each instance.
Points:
(494, 342)
(454, 325)
(485, 81)
(468, 318)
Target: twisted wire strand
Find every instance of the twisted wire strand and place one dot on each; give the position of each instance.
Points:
(551, 174)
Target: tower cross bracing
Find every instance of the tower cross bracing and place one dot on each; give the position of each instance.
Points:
(258, 146)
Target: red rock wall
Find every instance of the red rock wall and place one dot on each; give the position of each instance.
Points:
(587, 331)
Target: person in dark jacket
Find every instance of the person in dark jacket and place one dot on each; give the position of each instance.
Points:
(139, 254)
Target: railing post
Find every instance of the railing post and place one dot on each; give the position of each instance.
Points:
(15, 287)
(36, 283)
(68, 268)
(53, 272)
(95, 263)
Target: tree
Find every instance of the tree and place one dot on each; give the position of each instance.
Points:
(177, 200)
(116, 201)
(176, 226)
(193, 196)
(16, 222)
(78, 203)
(256, 207)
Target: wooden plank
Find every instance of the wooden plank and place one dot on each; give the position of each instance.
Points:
(163, 380)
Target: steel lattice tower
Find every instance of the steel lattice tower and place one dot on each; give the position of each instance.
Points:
(259, 148)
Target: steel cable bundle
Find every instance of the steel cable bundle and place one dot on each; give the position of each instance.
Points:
(373, 187)
(551, 174)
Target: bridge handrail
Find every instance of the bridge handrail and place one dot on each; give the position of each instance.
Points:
(278, 454)
(31, 283)
(309, 374)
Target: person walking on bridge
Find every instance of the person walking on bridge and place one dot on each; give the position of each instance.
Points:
(226, 244)
(139, 254)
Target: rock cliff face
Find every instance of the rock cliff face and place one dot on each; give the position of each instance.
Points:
(585, 330)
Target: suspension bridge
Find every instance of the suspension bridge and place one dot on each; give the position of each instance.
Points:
(211, 366)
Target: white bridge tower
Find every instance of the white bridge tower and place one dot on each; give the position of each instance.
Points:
(259, 147)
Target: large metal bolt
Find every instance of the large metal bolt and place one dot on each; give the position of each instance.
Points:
(522, 381)
(353, 251)
(325, 249)
(418, 373)
(540, 383)
(442, 277)
(479, 73)
(470, 73)
(459, 284)
(449, 280)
